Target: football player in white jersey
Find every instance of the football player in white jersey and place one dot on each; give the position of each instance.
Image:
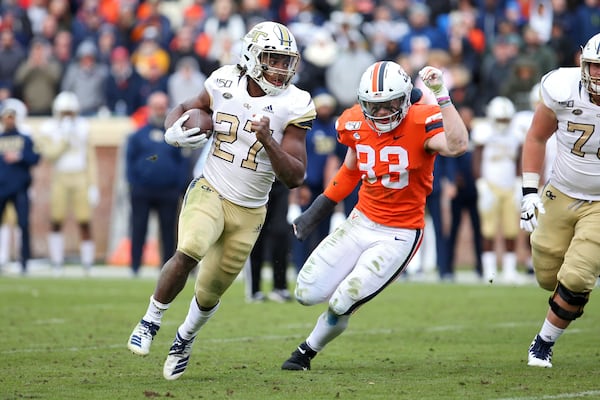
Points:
(496, 167)
(65, 141)
(565, 241)
(260, 122)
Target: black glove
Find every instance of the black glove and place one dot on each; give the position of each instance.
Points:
(309, 219)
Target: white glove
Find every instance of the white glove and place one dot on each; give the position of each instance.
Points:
(294, 212)
(485, 196)
(337, 218)
(93, 195)
(530, 203)
(433, 79)
(178, 137)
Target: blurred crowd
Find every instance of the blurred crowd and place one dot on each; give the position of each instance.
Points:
(113, 53)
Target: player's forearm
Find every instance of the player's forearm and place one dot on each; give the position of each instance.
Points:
(457, 136)
(533, 154)
(288, 169)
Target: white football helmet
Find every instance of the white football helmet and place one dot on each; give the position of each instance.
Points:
(65, 102)
(270, 56)
(590, 53)
(384, 86)
(500, 109)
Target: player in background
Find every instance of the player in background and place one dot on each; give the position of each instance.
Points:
(17, 158)
(565, 242)
(520, 125)
(260, 121)
(392, 146)
(10, 233)
(496, 163)
(65, 141)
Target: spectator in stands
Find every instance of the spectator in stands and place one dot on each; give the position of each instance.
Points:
(123, 85)
(12, 55)
(150, 54)
(87, 79)
(183, 46)
(38, 78)
(17, 157)
(343, 75)
(421, 29)
(222, 31)
(65, 142)
(186, 82)
(496, 68)
(587, 20)
(157, 174)
(62, 50)
(517, 87)
(86, 23)
(107, 41)
(149, 14)
(14, 18)
(319, 53)
(61, 11)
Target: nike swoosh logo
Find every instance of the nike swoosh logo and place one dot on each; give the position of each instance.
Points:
(301, 350)
(397, 238)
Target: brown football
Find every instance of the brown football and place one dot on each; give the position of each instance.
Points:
(199, 119)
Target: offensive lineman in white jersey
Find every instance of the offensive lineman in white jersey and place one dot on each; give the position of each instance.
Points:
(565, 241)
(260, 121)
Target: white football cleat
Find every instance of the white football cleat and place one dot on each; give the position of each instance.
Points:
(141, 337)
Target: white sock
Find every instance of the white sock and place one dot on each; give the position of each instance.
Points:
(56, 249)
(87, 252)
(488, 263)
(328, 327)
(509, 264)
(549, 332)
(4, 243)
(155, 311)
(195, 319)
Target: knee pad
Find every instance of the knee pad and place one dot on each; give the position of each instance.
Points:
(571, 298)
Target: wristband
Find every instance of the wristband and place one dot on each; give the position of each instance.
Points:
(531, 180)
(444, 101)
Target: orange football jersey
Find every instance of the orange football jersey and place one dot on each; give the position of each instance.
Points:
(397, 172)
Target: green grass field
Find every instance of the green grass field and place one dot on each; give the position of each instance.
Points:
(66, 339)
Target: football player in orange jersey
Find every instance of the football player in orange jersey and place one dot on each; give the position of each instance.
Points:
(392, 145)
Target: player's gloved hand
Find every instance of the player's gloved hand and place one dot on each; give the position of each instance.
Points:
(337, 218)
(308, 221)
(177, 136)
(433, 79)
(294, 211)
(93, 196)
(529, 204)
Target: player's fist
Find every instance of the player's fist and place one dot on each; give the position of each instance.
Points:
(434, 80)
(529, 204)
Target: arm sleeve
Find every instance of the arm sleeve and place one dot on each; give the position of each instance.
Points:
(342, 184)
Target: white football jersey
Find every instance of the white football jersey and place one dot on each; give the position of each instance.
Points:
(520, 125)
(75, 132)
(501, 149)
(237, 165)
(576, 166)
